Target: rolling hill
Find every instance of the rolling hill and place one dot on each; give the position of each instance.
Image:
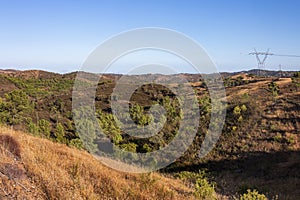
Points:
(259, 147)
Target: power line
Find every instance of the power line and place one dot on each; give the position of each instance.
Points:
(286, 55)
(261, 57)
(261, 60)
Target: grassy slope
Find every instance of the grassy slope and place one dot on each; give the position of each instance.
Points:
(35, 168)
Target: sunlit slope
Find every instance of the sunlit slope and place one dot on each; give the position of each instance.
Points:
(35, 168)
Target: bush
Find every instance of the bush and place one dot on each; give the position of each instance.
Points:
(88, 134)
(131, 147)
(77, 143)
(44, 128)
(274, 88)
(244, 108)
(253, 195)
(32, 127)
(60, 133)
(237, 110)
(117, 138)
(203, 188)
(147, 148)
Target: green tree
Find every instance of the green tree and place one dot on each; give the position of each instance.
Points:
(85, 126)
(32, 127)
(88, 134)
(15, 107)
(60, 133)
(44, 128)
(109, 126)
(137, 113)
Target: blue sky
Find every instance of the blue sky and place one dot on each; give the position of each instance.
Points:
(59, 35)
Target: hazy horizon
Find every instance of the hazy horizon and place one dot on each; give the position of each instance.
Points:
(113, 73)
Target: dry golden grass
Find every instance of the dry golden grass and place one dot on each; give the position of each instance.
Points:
(47, 170)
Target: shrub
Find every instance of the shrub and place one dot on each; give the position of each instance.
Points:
(60, 133)
(278, 137)
(88, 134)
(234, 128)
(203, 188)
(205, 105)
(77, 143)
(131, 147)
(32, 127)
(117, 138)
(240, 119)
(237, 110)
(253, 195)
(244, 108)
(44, 128)
(274, 88)
(147, 148)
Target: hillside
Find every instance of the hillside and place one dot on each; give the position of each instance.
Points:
(259, 147)
(36, 168)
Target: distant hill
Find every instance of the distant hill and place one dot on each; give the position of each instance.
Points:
(266, 73)
(45, 74)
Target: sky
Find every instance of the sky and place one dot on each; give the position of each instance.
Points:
(59, 35)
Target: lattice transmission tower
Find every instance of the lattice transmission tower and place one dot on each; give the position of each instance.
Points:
(261, 57)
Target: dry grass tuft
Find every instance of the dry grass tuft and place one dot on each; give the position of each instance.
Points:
(8, 143)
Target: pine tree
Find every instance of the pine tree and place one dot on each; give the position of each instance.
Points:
(60, 133)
